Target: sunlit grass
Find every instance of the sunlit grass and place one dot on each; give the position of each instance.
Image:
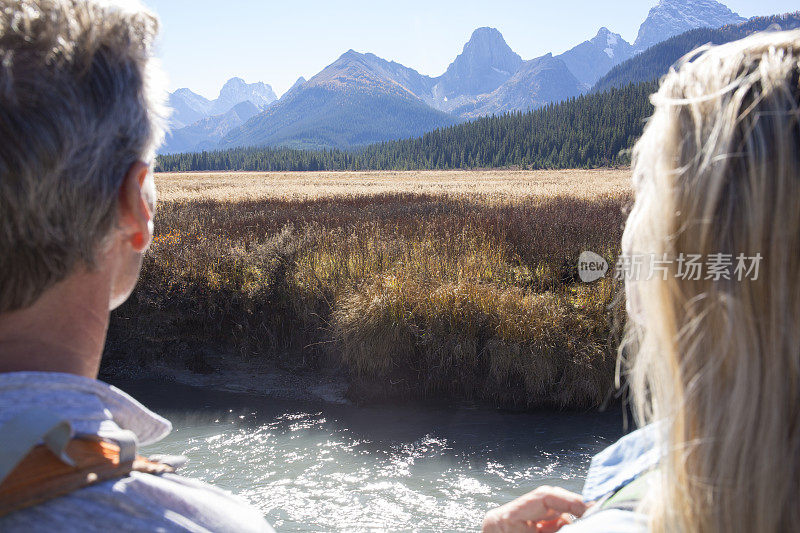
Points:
(489, 184)
(458, 285)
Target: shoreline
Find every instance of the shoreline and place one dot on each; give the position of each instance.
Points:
(241, 376)
(328, 386)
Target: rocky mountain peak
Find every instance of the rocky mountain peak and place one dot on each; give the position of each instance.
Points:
(484, 64)
(591, 59)
(487, 46)
(236, 90)
(486, 38)
(672, 17)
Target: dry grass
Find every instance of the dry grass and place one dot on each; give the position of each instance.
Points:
(421, 284)
(491, 184)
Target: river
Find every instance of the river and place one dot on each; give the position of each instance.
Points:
(329, 467)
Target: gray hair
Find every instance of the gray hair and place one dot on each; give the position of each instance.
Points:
(80, 101)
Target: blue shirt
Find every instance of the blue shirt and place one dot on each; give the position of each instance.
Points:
(611, 469)
(138, 502)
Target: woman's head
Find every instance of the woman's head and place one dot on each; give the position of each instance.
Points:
(716, 356)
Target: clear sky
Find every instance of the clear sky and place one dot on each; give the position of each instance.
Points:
(206, 42)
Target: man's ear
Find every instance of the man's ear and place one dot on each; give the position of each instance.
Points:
(135, 208)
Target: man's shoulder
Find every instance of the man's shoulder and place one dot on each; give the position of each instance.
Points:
(141, 502)
(136, 502)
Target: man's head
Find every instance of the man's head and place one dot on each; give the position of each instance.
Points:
(80, 119)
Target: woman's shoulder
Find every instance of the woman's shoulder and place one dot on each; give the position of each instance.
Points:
(622, 462)
(610, 521)
(616, 467)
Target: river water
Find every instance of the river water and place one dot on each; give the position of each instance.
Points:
(329, 467)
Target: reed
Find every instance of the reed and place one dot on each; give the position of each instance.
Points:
(419, 285)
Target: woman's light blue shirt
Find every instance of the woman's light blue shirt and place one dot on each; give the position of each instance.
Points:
(611, 469)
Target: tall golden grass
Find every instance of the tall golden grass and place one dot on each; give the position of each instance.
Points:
(423, 284)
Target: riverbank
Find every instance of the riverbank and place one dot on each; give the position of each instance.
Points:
(416, 285)
(231, 373)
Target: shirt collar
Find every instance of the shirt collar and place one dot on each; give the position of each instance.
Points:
(622, 462)
(91, 406)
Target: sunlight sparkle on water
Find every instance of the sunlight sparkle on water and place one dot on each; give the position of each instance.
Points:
(347, 468)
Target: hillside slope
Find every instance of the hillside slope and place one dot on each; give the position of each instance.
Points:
(537, 83)
(206, 133)
(187, 108)
(357, 100)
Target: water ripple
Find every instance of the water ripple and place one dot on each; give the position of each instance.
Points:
(346, 468)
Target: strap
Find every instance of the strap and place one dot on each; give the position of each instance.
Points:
(628, 497)
(43, 476)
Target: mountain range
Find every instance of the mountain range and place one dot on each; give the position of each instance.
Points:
(656, 61)
(361, 98)
(358, 99)
(197, 123)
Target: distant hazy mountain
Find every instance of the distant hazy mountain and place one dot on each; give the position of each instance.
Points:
(206, 133)
(236, 90)
(485, 63)
(673, 17)
(198, 123)
(654, 62)
(358, 99)
(590, 60)
(187, 108)
(537, 83)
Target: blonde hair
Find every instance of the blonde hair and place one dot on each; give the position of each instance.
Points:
(81, 100)
(717, 362)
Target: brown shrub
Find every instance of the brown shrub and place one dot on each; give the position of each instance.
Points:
(478, 342)
(417, 294)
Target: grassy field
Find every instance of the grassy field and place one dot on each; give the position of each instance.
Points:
(455, 285)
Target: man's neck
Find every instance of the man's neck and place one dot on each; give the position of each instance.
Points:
(63, 331)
